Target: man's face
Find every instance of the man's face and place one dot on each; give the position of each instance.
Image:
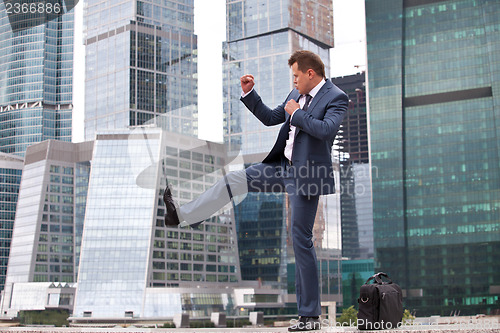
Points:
(301, 80)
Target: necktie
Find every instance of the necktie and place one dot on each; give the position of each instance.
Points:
(291, 133)
(306, 104)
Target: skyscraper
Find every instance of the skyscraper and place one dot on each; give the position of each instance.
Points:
(261, 36)
(355, 190)
(44, 239)
(127, 264)
(36, 84)
(433, 69)
(36, 69)
(11, 167)
(132, 265)
(140, 64)
(352, 148)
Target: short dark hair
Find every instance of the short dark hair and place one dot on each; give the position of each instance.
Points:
(307, 60)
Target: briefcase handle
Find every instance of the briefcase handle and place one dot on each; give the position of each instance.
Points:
(378, 278)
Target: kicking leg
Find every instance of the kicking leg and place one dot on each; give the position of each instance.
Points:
(261, 177)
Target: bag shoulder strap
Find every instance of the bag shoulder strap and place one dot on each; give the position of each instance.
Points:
(378, 278)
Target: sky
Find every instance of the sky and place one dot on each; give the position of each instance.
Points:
(346, 58)
(210, 27)
(349, 53)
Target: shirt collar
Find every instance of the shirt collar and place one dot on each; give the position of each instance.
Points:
(315, 90)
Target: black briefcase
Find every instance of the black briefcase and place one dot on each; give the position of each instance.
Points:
(380, 304)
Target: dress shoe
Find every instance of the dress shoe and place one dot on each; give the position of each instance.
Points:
(306, 324)
(171, 218)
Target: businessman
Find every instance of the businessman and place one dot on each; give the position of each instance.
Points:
(299, 164)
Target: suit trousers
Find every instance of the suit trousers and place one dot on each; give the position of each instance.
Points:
(270, 177)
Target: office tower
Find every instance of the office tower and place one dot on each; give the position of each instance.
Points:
(140, 64)
(352, 148)
(11, 167)
(128, 265)
(261, 36)
(433, 71)
(36, 69)
(133, 266)
(355, 184)
(43, 257)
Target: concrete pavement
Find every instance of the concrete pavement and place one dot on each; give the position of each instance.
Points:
(454, 328)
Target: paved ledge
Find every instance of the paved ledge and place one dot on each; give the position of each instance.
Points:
(455, 328)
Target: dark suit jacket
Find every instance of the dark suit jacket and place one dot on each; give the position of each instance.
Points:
(316, 131)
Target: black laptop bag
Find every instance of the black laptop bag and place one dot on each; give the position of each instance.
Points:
(380, 304)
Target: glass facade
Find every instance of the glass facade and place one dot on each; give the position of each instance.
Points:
(55, 255)
(262, 238)
(11, 167)
(44, 236)
(36, 92)
(140, 64)
(127, 253)
(36, 73)
(354, 275)
(434, 95)
(24, 238)
(355, 183)
(118, 228)
(82, 175)
(206, 254)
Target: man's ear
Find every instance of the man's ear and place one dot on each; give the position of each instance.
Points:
(311, 73)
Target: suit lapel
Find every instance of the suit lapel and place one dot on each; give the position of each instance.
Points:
(322, 92)
(326, 87)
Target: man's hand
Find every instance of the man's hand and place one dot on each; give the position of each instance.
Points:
(247, 83)
(291, 106)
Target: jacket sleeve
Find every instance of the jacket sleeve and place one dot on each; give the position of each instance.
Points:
(266, 115)
(326, 128)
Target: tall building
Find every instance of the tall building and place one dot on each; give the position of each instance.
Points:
(261, 36)
(434, 93)
(131, 265)
(43, 255)
(140, 64)
(36, 74)
(355, 183)
(36, 83)
(355, 190)
(11, 167)
(164, 272)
